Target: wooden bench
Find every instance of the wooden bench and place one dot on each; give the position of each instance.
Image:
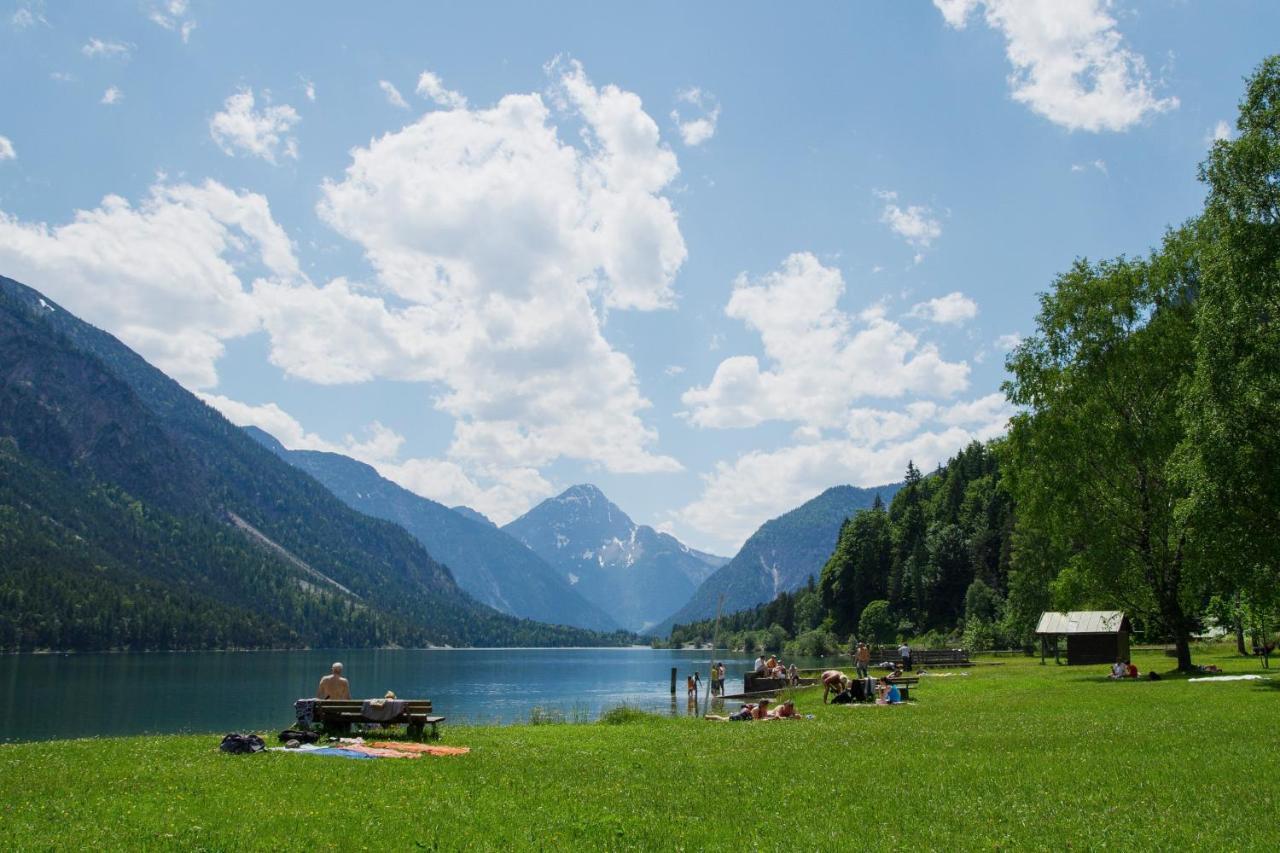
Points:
(338, 715)
(922, 658)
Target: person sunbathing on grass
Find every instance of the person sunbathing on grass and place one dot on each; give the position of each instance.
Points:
(1119, 670)
(748, 711)
(785, 711)
(833, 681)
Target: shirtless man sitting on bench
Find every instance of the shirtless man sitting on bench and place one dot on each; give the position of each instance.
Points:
(333, 685)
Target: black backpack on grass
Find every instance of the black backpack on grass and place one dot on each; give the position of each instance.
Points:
(238, 744)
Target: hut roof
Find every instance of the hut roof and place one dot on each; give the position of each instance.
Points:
(1083, 622)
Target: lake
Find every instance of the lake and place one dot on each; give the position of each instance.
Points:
(64, 696)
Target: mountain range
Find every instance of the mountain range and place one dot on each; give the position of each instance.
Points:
(635, 573)
(486, 562)
(780, 556)
(132, 515)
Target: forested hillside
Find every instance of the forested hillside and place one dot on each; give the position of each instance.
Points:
(780, 556)
(132, 515)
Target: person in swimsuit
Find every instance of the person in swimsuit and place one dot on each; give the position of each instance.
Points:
(833, 681)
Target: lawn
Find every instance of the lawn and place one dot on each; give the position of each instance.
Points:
(1009, 756)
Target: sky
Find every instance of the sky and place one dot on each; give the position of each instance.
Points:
(714, 258)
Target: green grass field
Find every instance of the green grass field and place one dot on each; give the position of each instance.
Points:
(1012, 756)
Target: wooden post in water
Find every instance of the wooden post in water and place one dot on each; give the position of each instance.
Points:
(673, 681)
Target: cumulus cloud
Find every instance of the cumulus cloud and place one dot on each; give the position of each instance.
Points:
(380, 445)
(112, 95)
(497, 245)
(173, 15)
(7, 151)
(821, 359)
(164, 276)
(502, 496)
(309, 89)
(1222, 131)
(696, 114)
(1070, 62)
(431, 87)
(915, 223)
(394, 98)
(96, 48)
(738, 496)
(1009, 341)
(954, 308)
(264, 133)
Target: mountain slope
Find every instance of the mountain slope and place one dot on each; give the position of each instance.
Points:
(487, 563)
(781, 555)
(133, 515)
(633, 572)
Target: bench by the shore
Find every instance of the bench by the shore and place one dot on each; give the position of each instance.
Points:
(337, 715)
(921, 658)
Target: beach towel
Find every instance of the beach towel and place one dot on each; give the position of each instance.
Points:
(382, 710)
(421, 748)
(1232, 678)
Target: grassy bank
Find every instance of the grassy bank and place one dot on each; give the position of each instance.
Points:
(1009, 756)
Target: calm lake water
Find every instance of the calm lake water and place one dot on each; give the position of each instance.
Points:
(55, 696)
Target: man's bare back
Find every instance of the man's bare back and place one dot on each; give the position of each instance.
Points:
(333, 685)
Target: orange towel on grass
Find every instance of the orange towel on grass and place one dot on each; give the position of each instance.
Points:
(420, 748)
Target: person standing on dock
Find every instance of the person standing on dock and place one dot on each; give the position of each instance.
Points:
(721, 673)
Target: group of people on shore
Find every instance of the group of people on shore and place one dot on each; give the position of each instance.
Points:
(775, 668)
(842, 688)
(693, 683)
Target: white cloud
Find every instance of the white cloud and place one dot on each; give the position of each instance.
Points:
(1070, 62)
(173, 15)
(309, 89)
(701, 126)
(1009, 341)
(380, 445)
(1098, 165)
(164, 276)
(62, 76)
(264, 133)
(501, 495)
(915, 223)
(1222, 131)
(393, 94)
(741, 495)
(28, 14)
(821, 359)
(673, 370)
(430, 86)
(96, 48)
(7, 151)
(954, 308)
(112, 95)
(501, 245)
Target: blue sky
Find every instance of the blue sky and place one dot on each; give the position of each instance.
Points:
(712, 257)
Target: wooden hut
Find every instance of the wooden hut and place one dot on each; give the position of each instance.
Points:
(1092, 636)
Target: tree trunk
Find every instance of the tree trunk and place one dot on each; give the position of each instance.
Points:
(1183, 645)
(1240, 638)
